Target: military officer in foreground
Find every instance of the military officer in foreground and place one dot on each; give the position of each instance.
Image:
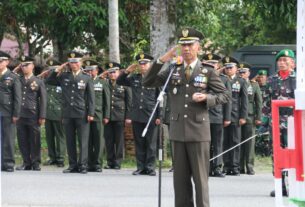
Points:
(120, 104)
(32, 116)
(220, 117)
(232, 133)
(190, 95)
(77, 107)
(10, 102)
(143, 102)
(101, 116)
(54, 130)
(247, 151)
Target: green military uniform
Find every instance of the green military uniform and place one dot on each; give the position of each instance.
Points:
(33, 108)
(120, 103)
(78, 104)
(189, 121)
(247, 152)
(54, 129)
(102, 110)
(10, 102)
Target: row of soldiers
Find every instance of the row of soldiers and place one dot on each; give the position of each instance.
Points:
(78, 103)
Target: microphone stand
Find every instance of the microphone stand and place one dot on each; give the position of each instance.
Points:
(160, 152)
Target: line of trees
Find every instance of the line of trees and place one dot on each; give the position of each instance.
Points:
(148, 25)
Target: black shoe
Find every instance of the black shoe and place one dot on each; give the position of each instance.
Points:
(8, 169)
(117, 167)
(250, 172)
(24, 167)
(284, 193)
(83, 170)
(139, 172)
(151, 172)
(107, 167)
(70, 170)
(171, 170)
(218, 173)
(234, 173)
(95, 169)
(50, 162)
(36, 167)
(60, 164)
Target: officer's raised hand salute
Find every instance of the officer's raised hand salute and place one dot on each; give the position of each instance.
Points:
(78, 108)
(190, 97)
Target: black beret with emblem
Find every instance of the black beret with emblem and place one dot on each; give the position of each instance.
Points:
(74, 56)
(112, 66)
(189, 36)
(26, 59)
(144, 58)
(52, 62)
(229, 62)
(211, 58)
(4, 55)
(244, 67)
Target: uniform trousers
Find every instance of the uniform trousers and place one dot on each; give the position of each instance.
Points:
(114, 138)
(96, 144)
(56, 140)
(216, 144)
(77, 128)
(29, 141)
(247, 150)
(146, 147)
(191, 161)
(8, 132)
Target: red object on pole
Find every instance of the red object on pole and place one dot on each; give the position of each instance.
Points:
(284, 157)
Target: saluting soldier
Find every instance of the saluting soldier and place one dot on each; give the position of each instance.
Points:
(232, 133)
(120, 104)
(101, 116)
(247, 151)
(78, 108)
(32, 115)
(281, 86)
(190, 96)
(10, 102)
(143, 102)
(220, 117)
(54, 130)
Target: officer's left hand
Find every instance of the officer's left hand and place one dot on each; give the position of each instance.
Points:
(41, 121)
(199, 97)
(90, 118)
(158, 122)
(242, 121)
(258, 122)
(105, 121)
(14, 120)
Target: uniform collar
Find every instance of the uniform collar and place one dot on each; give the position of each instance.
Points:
(76, 73)
(193, 64)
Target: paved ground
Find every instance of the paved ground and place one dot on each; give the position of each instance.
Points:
(111, 188)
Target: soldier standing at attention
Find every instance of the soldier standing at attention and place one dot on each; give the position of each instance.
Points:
(10, 102)
(143, 102)
(232, 133)
(77, 107)
(281, 86)
(247, 151)
(32, 116)
(220, 117)
(101, 117)
(120, 104)
(190, 97)
(54, 130)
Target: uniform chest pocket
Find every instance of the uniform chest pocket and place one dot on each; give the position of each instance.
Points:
(199, 117)
(174, 117)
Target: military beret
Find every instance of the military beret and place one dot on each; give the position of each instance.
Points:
(74, 56)
(244, 67)
(4, 55)
(189, 35)
(112, 66)
(26, 59)
(285, 53)
(52, 62)
(144, 58)
(262, 72)
(229, 61)
(211, 58)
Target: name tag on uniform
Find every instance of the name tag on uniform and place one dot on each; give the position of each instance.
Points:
(81, 84)
(58, 89)
(236, 87)
(98, 87)
(250, 90)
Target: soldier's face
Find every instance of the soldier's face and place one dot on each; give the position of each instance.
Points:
(261, 80)
(3, 64)
(245, 75)
(144, 67)
(75, 66)
(114, 75)
(285, 63)
(230, 71)
(190, 51)
(27, 68)
(94, 72)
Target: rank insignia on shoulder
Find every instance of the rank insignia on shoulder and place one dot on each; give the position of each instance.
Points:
(204, 70)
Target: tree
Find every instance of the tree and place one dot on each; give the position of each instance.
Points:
(114, 48)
